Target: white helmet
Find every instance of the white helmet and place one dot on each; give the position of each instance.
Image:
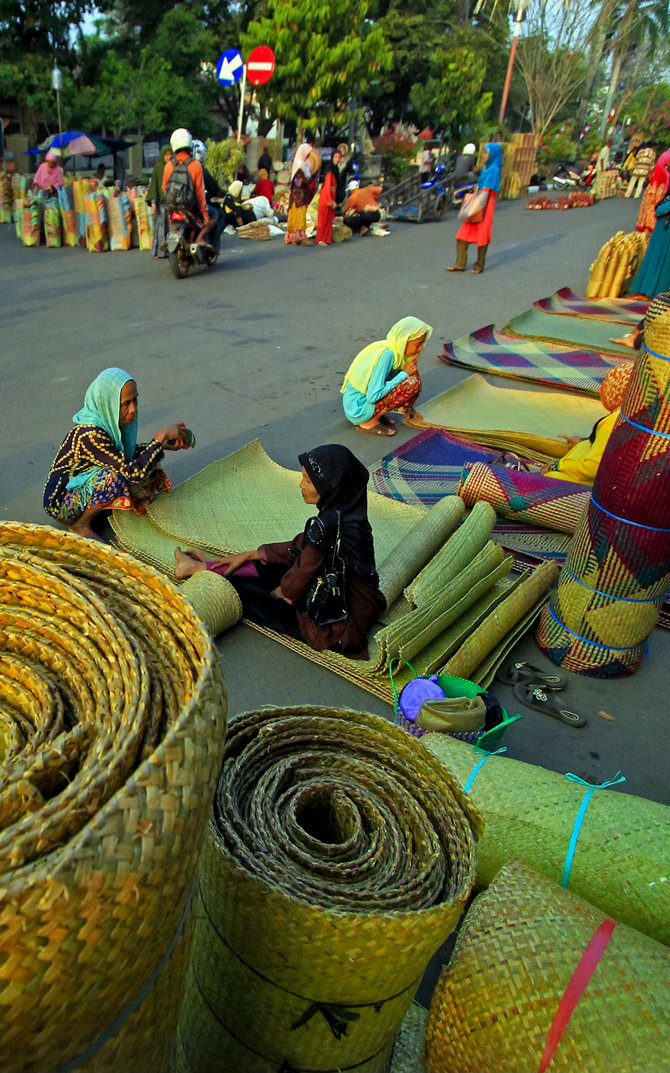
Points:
(181, 139)
(199, 150)
(353, 184)
(470, 149)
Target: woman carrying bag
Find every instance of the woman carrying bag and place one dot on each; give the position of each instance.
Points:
(477, 213)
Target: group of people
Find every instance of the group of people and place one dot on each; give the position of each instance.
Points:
(653, 274)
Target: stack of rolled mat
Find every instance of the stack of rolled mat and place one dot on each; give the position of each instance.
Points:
(5, 198)
(616, 263)
(339, 859)
(112, 723)
(542, 981)
(620, 856)
(612, 586)
(525, 497)
(52, 224)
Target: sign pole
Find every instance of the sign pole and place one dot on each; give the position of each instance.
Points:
(244, 89)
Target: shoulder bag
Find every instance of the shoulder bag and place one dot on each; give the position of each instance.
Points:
(325, 602)
(473, 207)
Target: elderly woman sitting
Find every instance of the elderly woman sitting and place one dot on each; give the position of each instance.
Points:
(99, 465)
(384, 377)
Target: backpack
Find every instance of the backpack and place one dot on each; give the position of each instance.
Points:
(180, 191)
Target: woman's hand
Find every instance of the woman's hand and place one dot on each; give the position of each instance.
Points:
(174, 437)
(234, 562)
(411, 367)
(571, 440)
(280, 595)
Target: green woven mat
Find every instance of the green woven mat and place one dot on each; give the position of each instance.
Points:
(582, 332)
(620, 861)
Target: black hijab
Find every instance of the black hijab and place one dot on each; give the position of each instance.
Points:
(341, 481)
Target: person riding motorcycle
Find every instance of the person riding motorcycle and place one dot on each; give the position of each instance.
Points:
(212, 190)
(181, 144)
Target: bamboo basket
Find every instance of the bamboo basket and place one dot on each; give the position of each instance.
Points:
(541, 980)
(531, 813)
(112, 719)
(339, 858)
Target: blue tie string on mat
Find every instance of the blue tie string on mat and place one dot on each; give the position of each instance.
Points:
(627, 521)
(645, 428)
(611, 596)
(475, 771)
(587, 640)
(580, 816)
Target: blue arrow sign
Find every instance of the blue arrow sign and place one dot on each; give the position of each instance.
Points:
(230, 66)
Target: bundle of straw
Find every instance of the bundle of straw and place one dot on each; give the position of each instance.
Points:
(618, 568)
(112, 718)
(532, 813)
(257, 229)
(340, 857)
(541, 980)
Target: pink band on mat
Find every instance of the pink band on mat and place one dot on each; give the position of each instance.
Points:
(576, 988)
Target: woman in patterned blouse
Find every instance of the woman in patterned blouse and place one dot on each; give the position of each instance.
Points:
(100, 465)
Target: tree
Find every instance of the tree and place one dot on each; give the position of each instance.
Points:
(452, 98)
(38, 27)
(628, 29)
(327, 52)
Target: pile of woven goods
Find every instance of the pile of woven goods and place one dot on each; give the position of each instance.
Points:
(577, 199)
(616, 264)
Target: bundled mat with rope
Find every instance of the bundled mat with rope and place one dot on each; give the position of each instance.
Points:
(112, 724)
(339, 858)
(120, 222)
(259, 230)
(606, 846)
(5, 198)
(534, 419)
(97, 230)
(81, 190)
(33, 208)
(68, 214)
(530, 497)
(52, 224)
(144, 218)
(585, 333)
(540, 980)
(567, 303)
(618, 569)
(491, 351)
(616, 264)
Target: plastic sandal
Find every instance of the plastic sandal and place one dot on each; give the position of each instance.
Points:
(528, 672)
(534, 696)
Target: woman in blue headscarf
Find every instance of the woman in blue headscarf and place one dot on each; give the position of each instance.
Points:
(100, 465)
(480, 233)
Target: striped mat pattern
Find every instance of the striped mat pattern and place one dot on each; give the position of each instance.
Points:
(568, 303)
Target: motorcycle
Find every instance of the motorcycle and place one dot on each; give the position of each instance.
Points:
(182, 249)
(568, 178)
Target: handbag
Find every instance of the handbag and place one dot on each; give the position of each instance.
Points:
(325, 602)
(473, 207)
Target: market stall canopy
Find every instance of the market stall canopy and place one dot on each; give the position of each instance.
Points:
(77, 142)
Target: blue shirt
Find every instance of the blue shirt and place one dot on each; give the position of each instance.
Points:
(359, 407)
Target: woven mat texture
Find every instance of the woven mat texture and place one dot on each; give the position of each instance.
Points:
(614, 310)
(112, 725)
(530, 497)
(584, 332)
(530, 813)
(618, 567)
(491, 351)
(339, 859)
(516, 954)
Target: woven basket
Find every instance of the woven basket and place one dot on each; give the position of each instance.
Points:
(541, 980)
(339, 859)
(112, 718)
(531, 813)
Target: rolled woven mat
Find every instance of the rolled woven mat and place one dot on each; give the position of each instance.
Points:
(525, 497)
(340, 857)
(112, 721)
(540, 980)
(470, 537)
(620, 857)
(417, 547)
(618, 567)
(215, 600)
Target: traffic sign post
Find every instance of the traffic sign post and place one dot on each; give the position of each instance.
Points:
(244, 89)
(230, 67)
(260, 65)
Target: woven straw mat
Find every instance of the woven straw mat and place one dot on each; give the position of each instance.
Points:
(541, 980)
(112, 721)
(620, 859)
(339, 859)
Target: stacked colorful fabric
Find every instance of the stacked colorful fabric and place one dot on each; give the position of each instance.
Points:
(68, 213)
(528, 497)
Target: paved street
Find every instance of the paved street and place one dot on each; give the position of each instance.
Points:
(257, 347)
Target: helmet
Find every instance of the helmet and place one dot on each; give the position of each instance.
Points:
(470, 149)
(181, 139)
(199, 150)
(353, 184)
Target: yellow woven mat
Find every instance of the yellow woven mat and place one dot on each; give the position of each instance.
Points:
(475, 408)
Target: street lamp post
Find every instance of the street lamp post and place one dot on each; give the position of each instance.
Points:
(57, 84)
(518, 19)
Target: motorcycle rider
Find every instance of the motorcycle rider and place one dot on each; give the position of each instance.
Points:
(464, 172)
(181, 144)
(212, 190)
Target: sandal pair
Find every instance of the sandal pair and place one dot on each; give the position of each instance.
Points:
(535, 688)
(522, 671)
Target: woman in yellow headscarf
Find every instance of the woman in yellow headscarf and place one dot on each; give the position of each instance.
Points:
(384, 377)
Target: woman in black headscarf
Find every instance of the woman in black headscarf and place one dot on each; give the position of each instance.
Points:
(275, 581)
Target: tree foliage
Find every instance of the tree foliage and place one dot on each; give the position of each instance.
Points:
(451, 98)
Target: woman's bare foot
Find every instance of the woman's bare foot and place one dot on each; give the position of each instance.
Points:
(626, 340)
(413, 415)
(188, 563)
(80, 528)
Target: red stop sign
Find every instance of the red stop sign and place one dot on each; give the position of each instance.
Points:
(260, 65)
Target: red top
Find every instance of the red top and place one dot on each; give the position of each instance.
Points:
(479, 233)
(264, 188)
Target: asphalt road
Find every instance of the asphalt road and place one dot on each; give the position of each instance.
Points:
(257, 347)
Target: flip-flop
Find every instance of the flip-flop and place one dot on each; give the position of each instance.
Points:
(528, 672)
(378, 430)
(534, 696)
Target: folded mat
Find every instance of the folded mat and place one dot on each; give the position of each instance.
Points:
(615, 310)
(531, 813)
(541, 980)
(491, 351)
(426, 468)
(534, 419)
(245, 498)
(531, 497)
(339, 858)
(583, 332)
